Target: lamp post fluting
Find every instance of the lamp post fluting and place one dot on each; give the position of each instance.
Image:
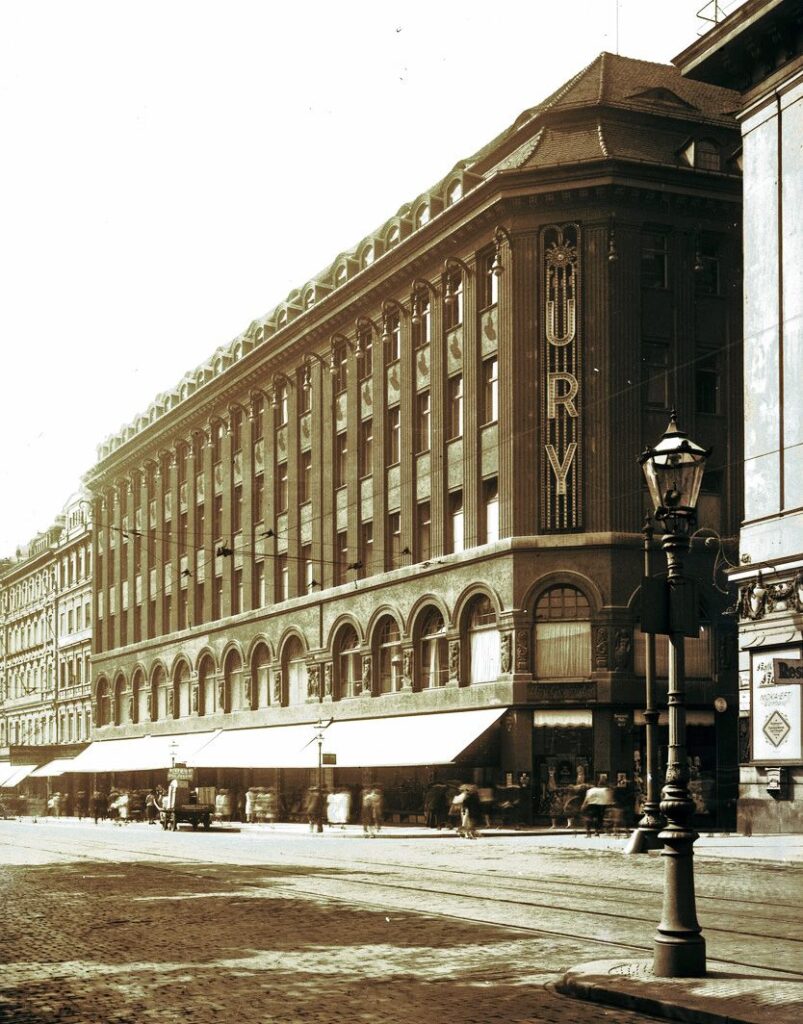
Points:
(674, 471)
(645, 835)
(319, 819)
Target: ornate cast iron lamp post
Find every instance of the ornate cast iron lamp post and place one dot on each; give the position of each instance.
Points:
(674, 472)
(645, 835)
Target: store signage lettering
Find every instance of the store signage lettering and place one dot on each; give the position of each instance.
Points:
(560, 472)
(785, 669)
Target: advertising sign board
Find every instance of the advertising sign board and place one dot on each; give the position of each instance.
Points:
(776, 708)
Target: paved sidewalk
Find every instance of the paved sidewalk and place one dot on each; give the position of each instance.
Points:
(776, 848)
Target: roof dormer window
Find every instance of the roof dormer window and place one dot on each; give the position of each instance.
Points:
(454, 192)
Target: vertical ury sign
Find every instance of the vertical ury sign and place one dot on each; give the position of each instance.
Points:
(561, 454)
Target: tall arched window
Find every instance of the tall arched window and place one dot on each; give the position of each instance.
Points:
(483, 640)
(295, 671)
(160, 688)
(104, 703)
(206, 684)
(260, 671)
(182, 689)
(233, 677)
(141, 709)
(388, 656)
(348, 661)
(434, 664)
(562, 634)
(121, 709)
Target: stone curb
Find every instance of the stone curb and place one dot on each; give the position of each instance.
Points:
(594, 982)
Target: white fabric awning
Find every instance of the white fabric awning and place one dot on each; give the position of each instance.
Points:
(407, 739)
(53, 768)
(138, 754)
(5, 769)
(279, 746)
(361, 743)
(18, 773)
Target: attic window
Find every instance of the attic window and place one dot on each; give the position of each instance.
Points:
(703, 154)
(706, 155)
(282, 318)
(393, 236)
(422, 217)
(340, 274)
(662, 96)
(309, 299)
(368, 256)
(454, 193)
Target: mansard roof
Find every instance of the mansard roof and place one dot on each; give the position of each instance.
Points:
(616, 108)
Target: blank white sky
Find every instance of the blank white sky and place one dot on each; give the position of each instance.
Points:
(170, 170)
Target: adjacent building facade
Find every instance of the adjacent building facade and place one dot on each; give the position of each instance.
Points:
(411, 494)
(758, 50)
(45, 649)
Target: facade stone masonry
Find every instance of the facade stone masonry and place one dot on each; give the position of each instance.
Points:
(413, 487)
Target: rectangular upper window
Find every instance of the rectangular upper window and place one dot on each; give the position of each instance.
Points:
(393, 435)
(341, 459)
(422, 422)
(455, 406)
(654, 259)
(490, 390)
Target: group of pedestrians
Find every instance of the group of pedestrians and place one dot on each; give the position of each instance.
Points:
(335, 808)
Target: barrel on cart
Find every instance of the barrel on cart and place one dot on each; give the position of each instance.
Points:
(180, 803)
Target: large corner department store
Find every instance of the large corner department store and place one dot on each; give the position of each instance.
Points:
(407, 500)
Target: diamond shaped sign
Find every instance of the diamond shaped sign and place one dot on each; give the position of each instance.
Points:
(776, 728)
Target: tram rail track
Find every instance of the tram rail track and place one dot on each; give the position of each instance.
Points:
(358, 877)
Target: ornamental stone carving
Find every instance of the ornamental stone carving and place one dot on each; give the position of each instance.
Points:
(506, 653)
(366, 674)
(623, 645)
(522, 650)
(221, 696)
(194, 698)
(601, 649)
(130, 709)
(276, 695)
(313, 682)
(170, 703)
(454, 661)
(407, 669)
(327, 679)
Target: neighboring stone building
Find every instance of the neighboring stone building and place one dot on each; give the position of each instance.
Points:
(45, 647)
(28, 592)
(408, 498)
(74, 622)
(759, 51)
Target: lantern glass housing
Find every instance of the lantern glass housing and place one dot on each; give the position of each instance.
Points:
(674, 472)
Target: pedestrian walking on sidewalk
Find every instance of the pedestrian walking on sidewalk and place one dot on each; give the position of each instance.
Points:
(314, 807)
(371, 810)
(598, 800)
(470, 809)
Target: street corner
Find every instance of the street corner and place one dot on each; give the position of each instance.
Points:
(726, 994)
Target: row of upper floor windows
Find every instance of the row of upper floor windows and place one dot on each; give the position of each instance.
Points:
(185, 604)
(74, 726)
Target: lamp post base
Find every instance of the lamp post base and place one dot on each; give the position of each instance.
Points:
(643, 839)
(679, 957)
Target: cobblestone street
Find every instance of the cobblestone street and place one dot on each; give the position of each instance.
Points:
(97, 940)
(130, 925)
